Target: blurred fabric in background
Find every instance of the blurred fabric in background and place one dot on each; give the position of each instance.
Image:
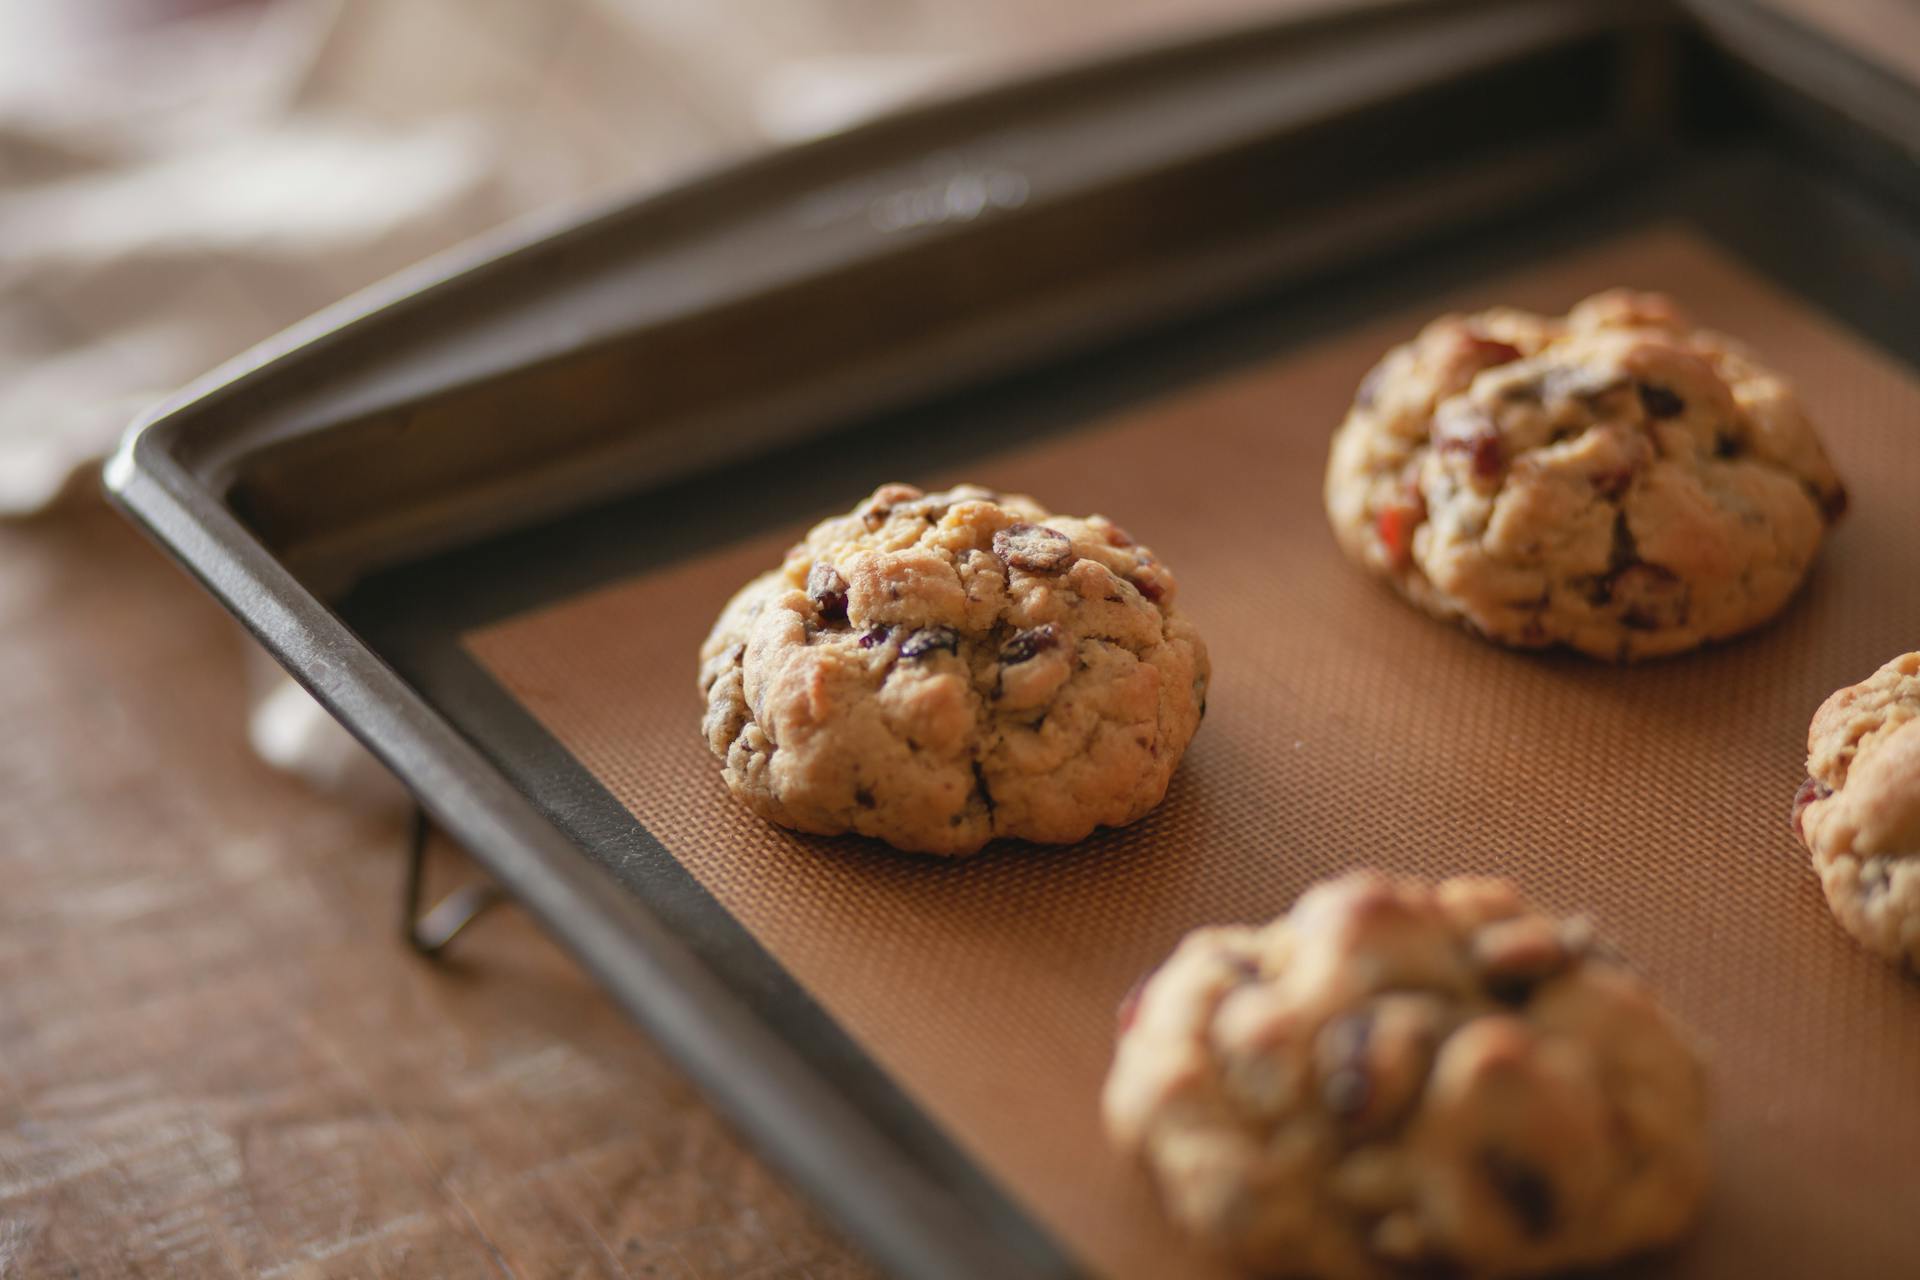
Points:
(181, 178)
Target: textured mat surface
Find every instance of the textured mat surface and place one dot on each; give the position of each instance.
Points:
(1346, 729)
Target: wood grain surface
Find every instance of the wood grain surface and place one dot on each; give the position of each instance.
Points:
(216, 1056)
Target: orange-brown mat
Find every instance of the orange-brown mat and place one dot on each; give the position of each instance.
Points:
(1345, 729)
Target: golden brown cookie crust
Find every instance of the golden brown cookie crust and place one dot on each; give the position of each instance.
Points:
(1398, 1075)
(1858, 813)
(1614, 481)
(938, 670)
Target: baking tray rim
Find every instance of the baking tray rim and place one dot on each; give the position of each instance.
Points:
(809, 1129)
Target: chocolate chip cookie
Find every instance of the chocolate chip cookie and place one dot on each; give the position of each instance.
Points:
(1858, 812)
(1614, 481)
(939, 669)
(1400, 1078)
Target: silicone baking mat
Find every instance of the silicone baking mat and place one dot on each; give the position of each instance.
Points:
(1345, 729)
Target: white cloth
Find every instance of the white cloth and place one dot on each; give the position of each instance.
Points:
(180, 179)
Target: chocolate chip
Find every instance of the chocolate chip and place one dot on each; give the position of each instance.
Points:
(1034, 547)
(1524, 1189)
(1811, 790)
(1514, 956)
(1511, 989)
(863, 798)
(1725, 444)
(1346, 1092)
(1834, 505)
(1034, 640)
(828, 591)
(929, 640)
(874, 636)
(1651, 598)
(1658, 401)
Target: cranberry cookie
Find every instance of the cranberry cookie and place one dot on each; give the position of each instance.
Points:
(1858, 812)
(1399, 1078)
(1614, 481)
(938, 669)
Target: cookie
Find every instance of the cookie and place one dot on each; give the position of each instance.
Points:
(1614, 481)
(940, 669)
(1398, 1078)
(1858, 812)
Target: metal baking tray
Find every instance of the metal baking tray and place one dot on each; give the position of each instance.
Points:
(538, 416)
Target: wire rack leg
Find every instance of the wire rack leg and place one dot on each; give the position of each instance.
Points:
(428, 932)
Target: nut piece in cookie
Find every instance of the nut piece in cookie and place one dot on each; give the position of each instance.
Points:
(1404, 1078)
(1858, 812)
(1614, 481)
(940, 669)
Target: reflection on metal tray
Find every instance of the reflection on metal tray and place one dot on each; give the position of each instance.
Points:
(403, 483)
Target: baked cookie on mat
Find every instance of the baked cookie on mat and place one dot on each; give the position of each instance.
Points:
(1858, 812)
(1399, 1078)
(939, 669)
(1615, 481)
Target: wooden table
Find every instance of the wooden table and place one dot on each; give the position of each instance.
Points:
(217, 1057)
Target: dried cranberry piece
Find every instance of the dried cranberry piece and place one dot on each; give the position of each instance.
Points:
(828, 591)
(1491, 351)
(1034, 640)
(888, 496)
(930, 640)
(1611, 484)
(874, 636)
(1834, 505)
(1033, 547)
(1810, 790)
(1395, 526)
(1486, 454)
(1658, 401)
(1148, 580)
